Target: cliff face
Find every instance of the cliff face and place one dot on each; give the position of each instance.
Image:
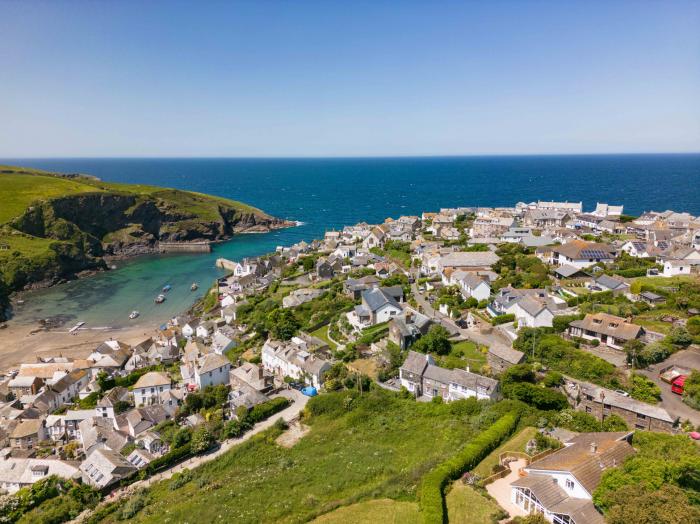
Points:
(89, 226)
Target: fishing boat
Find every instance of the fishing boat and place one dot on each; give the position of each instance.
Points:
(134, 314)
(160, 299)
(194, 286)
(166, 288)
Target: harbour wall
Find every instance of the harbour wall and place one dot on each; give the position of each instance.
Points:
(185, 247)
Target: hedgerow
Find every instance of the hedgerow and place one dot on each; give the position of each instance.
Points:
(433, 485)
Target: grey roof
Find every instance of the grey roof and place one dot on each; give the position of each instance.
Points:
(376, 298)
(472, 380)
(610, 282)
(508, 354)
(621, 401)
(469, 259)
(543, 487)
(416, 362)
(566, 271)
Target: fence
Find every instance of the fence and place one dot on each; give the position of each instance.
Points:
(517, 455)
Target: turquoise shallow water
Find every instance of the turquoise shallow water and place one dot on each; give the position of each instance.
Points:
(331, 193)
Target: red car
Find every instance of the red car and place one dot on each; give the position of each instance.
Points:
(678, 383)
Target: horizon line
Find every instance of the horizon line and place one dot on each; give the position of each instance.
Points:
(346, 157)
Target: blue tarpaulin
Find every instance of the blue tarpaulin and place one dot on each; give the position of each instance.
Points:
(310, 391)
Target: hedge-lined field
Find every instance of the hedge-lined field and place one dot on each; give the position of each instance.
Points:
(376, 446)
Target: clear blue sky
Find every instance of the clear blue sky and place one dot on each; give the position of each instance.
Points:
(347, 78)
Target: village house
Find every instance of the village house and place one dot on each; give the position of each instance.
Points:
(25, 385)
(608, 329)
(100, 432)
(148, 388)
(468, 260)
(608, 283)
(104, 467)
(109, 356)
(139, 420)
(253, 376)
(501, 357)
(491, 226)
(301, 296)
(424, 379)
(28, 433)
(292, 359)
(212, 369)
(406, 328)
(377, 306)
(573, 207)
(581, 254)
(17, 473)
(561, 485)
(472, 285)
(602, 402)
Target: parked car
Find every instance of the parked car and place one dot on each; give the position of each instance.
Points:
(678, 384)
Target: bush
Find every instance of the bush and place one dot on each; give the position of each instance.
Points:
(539, 397)
(436, 340)
(503, 319)
(433, 484)
(267, 409)
(644, 389)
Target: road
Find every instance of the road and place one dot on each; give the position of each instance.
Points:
(449, 324)
(671, 402)
(288, 414)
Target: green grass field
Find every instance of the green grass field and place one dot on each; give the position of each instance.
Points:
(386, 511)
(463, 354)
(378, 448)
(322, 333)
(465, 504)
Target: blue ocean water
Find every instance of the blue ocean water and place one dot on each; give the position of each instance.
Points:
(331, 193)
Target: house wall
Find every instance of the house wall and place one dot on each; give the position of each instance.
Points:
(213, 378)
(595, 408)
(149, 396)
(384, 313)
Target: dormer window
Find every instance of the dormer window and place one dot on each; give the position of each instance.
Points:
(597, 321)
(569, 484)
(613, 325)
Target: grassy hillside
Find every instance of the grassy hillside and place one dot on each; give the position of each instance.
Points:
(378, 446)
(54, 225)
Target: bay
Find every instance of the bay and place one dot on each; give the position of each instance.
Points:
(333, 192)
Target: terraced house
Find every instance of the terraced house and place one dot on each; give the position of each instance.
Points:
(425, 380)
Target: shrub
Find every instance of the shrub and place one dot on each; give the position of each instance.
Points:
(267, 409)
(503, 319)
(433, 484)
(644, 389)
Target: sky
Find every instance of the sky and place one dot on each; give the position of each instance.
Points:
(347, 78)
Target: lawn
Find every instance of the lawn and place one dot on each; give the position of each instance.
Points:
(386, 511)
(516, 443)
(464, 353)
(465, 504)
(322, 333)
(376, 446)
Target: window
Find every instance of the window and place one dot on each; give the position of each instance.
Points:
(588, 409)
(569, 484)
(641, 417)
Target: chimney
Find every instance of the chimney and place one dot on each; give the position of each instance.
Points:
(594, 447)
(409, 316)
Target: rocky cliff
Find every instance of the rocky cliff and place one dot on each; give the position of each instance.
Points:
(76, 232)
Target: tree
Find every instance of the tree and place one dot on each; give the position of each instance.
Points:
(282, 324)
(634, 351)
(693, 326)
(680, 337)
(641, 505)
(202, 440)
(436, 340)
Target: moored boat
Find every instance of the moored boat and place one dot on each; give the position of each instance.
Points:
(166, 288)
(160, 299)
(194, 286)
(134, 314)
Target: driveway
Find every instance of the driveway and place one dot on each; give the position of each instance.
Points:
(688, 358)
(500, 489)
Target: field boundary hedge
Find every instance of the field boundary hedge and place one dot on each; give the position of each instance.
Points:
(432, 489)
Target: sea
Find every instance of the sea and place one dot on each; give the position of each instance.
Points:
(328, 193)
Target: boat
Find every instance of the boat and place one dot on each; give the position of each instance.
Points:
(134, 314)
(194, 286)
(166, 288)
(160, 299)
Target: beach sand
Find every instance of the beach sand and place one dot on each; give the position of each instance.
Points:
(18, 344)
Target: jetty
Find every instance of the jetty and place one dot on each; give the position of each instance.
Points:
(185, 247)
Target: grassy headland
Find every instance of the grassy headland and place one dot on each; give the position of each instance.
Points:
(54, 225)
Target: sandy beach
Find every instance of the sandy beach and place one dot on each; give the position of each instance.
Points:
(18, 344)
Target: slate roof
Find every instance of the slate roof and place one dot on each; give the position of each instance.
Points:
(584, 463)
(610, 282)
(416, 362)
(152, 379)
(376, 298)
(469, 259)
(579, 249)
(610, 325)
(211, 362)
(623, 402)
(508, 354)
